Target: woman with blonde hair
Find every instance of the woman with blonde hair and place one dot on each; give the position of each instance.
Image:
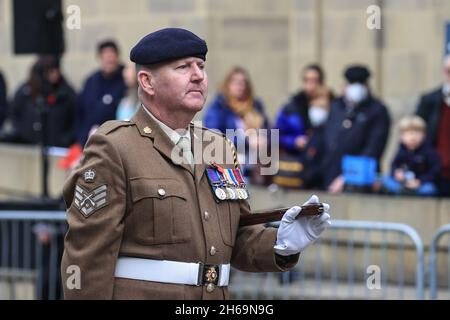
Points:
(236, 107)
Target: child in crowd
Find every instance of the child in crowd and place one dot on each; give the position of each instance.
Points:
(416, 166)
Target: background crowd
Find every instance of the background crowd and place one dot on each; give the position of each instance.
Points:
(328, 140)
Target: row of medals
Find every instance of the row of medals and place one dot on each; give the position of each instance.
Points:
(227, 185)
(230, 192)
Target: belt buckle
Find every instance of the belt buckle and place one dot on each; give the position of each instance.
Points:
(208, 273)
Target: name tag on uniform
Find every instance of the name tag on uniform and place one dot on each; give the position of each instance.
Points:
(227, 184)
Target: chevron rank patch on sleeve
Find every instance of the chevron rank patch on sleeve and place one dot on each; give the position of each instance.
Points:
(87, 202)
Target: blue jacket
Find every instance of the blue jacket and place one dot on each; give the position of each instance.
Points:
(293, 121)
(291, 125)
(424, 162)
(98, 102)
(366, 135)
(220, 116)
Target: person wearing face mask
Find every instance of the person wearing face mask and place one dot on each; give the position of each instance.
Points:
(434, 108)
(297, 122)
(358, 125)
(293, 120)
(318, 112)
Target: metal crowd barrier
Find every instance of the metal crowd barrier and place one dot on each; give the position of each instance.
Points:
(386, 255)
(381, 261)
(31, 245)
(433, 262)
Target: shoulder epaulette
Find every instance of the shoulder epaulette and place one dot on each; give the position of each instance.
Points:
(113, 125)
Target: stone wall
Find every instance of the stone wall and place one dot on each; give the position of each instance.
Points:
(273, 39)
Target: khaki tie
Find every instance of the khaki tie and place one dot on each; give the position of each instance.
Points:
(185, 146)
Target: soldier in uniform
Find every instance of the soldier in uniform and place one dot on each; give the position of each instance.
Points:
(145, 225)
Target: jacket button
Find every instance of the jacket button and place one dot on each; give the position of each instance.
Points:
(206, 215)
(210, 287)
(161, 192)
(212, 251)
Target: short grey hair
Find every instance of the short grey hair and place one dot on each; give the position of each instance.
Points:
(140, 67)
(153, 69)
(150, 68)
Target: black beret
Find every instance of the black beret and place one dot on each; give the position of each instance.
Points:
(357, 74)
(168, 44)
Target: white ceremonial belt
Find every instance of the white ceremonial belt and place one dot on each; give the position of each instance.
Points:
(172, 271)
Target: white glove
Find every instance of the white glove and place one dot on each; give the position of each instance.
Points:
(294, 235)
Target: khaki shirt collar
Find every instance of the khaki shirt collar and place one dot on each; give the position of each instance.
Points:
(173, 135)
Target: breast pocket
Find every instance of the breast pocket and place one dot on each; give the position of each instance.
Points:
(228, 213)
(159, 214)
